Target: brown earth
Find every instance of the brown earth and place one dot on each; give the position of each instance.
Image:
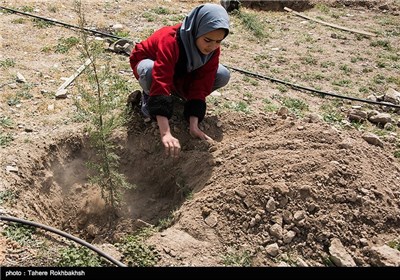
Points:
(276, 187)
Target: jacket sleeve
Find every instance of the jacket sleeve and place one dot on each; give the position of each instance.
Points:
(167, 54)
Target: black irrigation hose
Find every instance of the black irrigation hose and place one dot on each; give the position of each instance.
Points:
(62, 23)
(313, 90)
(64, 234)
(233, 68)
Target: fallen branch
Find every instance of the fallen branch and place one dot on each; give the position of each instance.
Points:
(330, 24)
(61, 91)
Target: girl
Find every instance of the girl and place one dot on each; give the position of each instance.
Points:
(182, 59)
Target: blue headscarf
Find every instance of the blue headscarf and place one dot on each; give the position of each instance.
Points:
(199, 21)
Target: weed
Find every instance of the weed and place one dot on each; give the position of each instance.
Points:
(269, 106)
(149, 16)
(236, 258)
(330, 113)
(251, 22)
(7, 196)
(19, 21)
(358, 125)
(5, 139)
(65, 44)
(363, 89)
(379, 79)
(323, 8)
(7, 63)
(309, 60)
(295, 105)
(6, 122)
(282, 88)
(73, 257)
(161, 11)
(166, 222)
(239, 107)
(20, 233)
(345, 68)
(136, 252)
(342, 83)
(327, 64)
(122, 34)
(381, 43)
(40, 23)
(27, 9)
(394, 244)
(328, 262)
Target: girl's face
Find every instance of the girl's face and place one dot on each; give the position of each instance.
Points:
(210, 41)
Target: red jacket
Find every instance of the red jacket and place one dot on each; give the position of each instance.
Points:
(163, 48)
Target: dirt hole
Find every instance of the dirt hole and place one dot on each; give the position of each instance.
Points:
(64, 198)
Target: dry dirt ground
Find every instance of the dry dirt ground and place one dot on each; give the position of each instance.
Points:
(289, 180)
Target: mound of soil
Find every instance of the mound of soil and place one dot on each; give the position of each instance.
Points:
(274, 187)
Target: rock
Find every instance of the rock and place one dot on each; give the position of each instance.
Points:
(372, 139)
(339, 255)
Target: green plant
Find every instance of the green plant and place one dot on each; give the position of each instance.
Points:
(165, 222)
(331, 114)
(239, 107)
(65, 44)
(149, 16)
(7, 196)
(161, 11)
(328, 262)
(40, 23)
(345, 68)
(327, 64)
(104, 118)
(342, 83)
(136, 252)
(122, 34)
(379, 79)
(282, 88)
(237, 258)
(72, 257)
(183, 188)
(6, 122)
(381, 43)
(323, 8)
(251, 22)
(20, 233)
(394, 244)
(8, 62)
(5, 139)
(396, 154)
(295, 105)
(358, 125)
(269, 106)
(19, 21)
(27, 9)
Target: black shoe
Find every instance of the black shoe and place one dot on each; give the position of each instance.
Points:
(134, 99)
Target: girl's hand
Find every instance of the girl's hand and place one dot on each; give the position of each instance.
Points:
(195, 131)
(171, 145)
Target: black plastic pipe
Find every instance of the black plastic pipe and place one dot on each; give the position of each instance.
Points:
(312, 89)
(64, 234)
(62, 23)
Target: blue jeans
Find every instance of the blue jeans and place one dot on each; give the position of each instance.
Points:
(145, 67)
